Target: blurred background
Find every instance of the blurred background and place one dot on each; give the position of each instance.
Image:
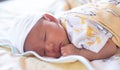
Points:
(25, 6)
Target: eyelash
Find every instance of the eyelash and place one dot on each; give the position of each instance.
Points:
(45, 37)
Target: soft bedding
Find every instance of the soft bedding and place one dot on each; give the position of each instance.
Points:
(10, 61)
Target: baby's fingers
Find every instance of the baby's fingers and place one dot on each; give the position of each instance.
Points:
(63, 51)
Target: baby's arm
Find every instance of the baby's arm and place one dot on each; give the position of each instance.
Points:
(108, 50)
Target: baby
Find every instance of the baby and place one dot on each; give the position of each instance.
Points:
(75, 32)
(49, 38)
(72, 34)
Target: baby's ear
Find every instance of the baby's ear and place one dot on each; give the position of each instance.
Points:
(50, 17)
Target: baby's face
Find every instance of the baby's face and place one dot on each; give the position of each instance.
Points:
(52, 37)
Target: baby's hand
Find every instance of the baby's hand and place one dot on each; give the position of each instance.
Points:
(69, 50)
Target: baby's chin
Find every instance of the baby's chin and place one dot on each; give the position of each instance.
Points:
(56, 55)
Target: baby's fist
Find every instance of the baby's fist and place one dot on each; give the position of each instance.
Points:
(69, 50)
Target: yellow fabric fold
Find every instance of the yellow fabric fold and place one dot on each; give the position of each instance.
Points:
(108, 16)
(112, 23)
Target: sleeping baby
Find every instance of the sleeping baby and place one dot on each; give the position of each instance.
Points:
(81, 31)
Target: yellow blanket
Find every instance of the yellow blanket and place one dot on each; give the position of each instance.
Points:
(107, 14)
(109, 17)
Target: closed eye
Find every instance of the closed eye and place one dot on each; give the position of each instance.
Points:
(44, 36)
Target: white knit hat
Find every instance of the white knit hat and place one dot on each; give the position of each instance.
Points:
(22, 27)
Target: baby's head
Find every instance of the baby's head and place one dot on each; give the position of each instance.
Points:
(46, 37)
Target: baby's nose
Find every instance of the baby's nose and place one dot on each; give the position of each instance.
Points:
(50, 46)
